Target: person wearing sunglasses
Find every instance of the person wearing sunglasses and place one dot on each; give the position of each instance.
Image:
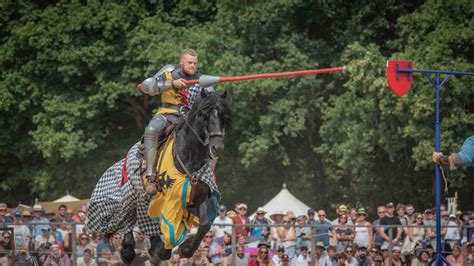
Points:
(82, 245)
(287, 237)
(363, 230)
(344, 235)
(350, 259)
(373, 253)
(216, 252)
(264, 256)
(4, 219)
(416, 233)
(303, 259)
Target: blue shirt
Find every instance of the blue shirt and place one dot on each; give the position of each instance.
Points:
(36, 229)
(322, 231)
(257, 231)
(467, 151)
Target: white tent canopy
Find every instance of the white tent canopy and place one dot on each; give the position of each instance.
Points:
(67, 198)
(285, 201)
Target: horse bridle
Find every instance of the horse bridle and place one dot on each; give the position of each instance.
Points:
(208, 134)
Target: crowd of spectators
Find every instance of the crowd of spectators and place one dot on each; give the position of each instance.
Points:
(398, 235)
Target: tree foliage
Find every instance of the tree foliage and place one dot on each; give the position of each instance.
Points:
(69, 107)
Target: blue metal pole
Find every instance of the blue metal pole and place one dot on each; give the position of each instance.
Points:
(438, 177)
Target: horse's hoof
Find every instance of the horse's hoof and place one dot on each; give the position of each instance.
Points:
(185, 250)
(128, 241)
(127, 255)
(155, 260)
(164, 254)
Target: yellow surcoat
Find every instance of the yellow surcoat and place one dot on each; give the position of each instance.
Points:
(169, 206)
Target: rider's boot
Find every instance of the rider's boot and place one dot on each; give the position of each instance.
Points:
(150, 137)
(127, 254)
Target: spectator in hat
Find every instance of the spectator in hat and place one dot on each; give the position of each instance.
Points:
(277, 218)
(362, 258)
(322, 258)
(287, 237)
(465, 157)
(264, 254)
(363, 233)
(303, 234)
(277, 259)
(311, 215)
(57, 257)
(323, 228)
(39, 218)
(4, 219)
(343, 234)
(22, 233)
(260, 233)
(86, 259)
(241, 218)
(24, 259)
(303, 258)
(396, 257)
(43, 242)
(254, 261)
(342, 209)
(452, 236)
(390, 219)
(222, 220)
(291, 215)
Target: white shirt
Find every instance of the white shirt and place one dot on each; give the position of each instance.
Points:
(353, 262)
(220, 229)
(324, 260)
(452, 233)
(302, 261)
(80, 262)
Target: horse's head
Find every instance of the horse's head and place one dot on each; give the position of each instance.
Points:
(211, 116)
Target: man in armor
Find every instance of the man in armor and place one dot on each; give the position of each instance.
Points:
(176, 100)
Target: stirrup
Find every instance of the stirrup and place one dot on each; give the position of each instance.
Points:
(152, 187)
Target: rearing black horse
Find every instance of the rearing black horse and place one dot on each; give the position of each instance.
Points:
(199, 138)
(119, 202)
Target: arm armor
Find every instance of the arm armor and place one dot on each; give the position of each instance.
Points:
(158, 83)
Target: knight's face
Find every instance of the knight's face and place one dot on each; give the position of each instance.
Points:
(189, 64)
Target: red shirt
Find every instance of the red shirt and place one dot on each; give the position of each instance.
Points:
(241, 229)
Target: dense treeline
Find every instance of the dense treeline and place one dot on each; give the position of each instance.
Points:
(69, 107)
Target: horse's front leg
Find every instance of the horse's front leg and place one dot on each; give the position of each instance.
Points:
(189, 246)
(127, 254)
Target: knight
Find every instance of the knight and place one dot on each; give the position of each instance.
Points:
(176, 99)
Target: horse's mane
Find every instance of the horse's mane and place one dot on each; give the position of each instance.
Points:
(202, 109)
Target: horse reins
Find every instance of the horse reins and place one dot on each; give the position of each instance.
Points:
(204, 142)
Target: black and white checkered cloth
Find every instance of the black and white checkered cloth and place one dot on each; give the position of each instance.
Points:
(206, 174)
(118, 209)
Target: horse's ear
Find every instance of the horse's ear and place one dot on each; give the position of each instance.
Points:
(224, 95)
(203, 93)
